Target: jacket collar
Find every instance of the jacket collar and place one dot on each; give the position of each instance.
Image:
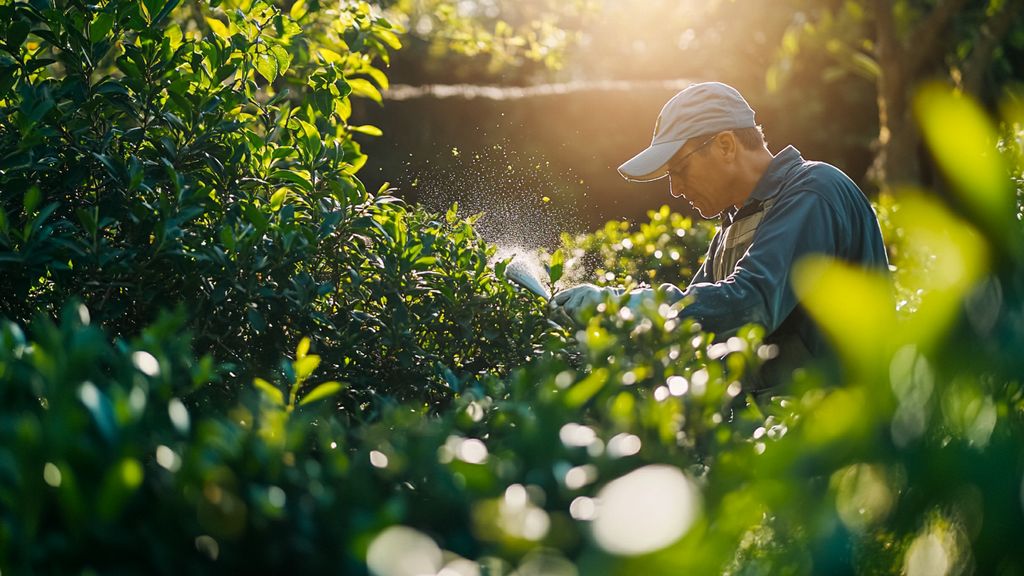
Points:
(769, 184)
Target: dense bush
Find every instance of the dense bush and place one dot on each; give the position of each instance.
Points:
(204, 155)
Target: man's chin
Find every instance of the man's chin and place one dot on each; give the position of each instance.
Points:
(703, 213)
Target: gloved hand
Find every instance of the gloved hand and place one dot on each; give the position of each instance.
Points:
(638, 298)
(573, 301)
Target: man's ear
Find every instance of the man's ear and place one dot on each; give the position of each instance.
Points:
(727, 145)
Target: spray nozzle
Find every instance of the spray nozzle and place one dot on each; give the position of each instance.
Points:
(520, 273)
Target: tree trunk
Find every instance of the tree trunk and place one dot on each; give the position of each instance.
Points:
(898, 159)
(896, 149)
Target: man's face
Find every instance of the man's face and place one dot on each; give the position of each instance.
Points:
(695, 174)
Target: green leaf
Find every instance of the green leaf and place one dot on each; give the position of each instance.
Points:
(277, 200)
(168, 7)
(310, 136)
(305, 366)
(389, 38)
(270, 390)
(367, 129)
(585, 389)
(299, 9)
(344, 88)
(218, 28)
(267, 66)
(330, 56)
(119, 483)
(256, 320)
(16, 34)
(963, 140)
(324, 101)
(322, 391)
(284, 58)
(303, 348)
(556, 265)
(256, 217)
(100, 27)
(32, 199)
(300, 179)
(365, 88)
(88, 219)
(378, 76)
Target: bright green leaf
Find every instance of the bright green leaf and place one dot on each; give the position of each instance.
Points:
(303, 348)
(556, 265)
(305, 366)
(365, 88)
(267, 65)
(322, 391)
(218, 28)
(330, 56)
(298, 10)
(963, 140)
(278, 198)
(299, 178)
(270, 390)
(367, 129)
(585, 389)
(854, 307)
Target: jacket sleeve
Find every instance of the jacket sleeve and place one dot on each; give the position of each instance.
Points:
(759, 289)
(703, 273)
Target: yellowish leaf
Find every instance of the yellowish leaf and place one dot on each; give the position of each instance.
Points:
(270, 390)
(322, 391)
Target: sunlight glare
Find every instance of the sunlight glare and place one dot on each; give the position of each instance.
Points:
(645, 510)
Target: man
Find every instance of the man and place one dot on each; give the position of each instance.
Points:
(775, 210)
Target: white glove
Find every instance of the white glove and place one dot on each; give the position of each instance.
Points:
(573, 301)
(638, 299)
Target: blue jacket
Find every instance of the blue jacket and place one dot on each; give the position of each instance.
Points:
(797, 209)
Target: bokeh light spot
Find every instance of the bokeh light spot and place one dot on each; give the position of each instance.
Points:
(645, 510)
(403, 551)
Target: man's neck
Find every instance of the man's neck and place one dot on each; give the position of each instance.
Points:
(752, 167)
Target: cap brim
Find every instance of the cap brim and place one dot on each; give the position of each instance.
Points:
(652, 163)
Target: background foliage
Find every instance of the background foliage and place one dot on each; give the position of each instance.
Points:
(222, 353)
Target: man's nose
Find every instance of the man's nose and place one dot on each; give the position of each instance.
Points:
(675, 186)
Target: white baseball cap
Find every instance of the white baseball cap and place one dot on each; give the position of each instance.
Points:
(705, 108)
